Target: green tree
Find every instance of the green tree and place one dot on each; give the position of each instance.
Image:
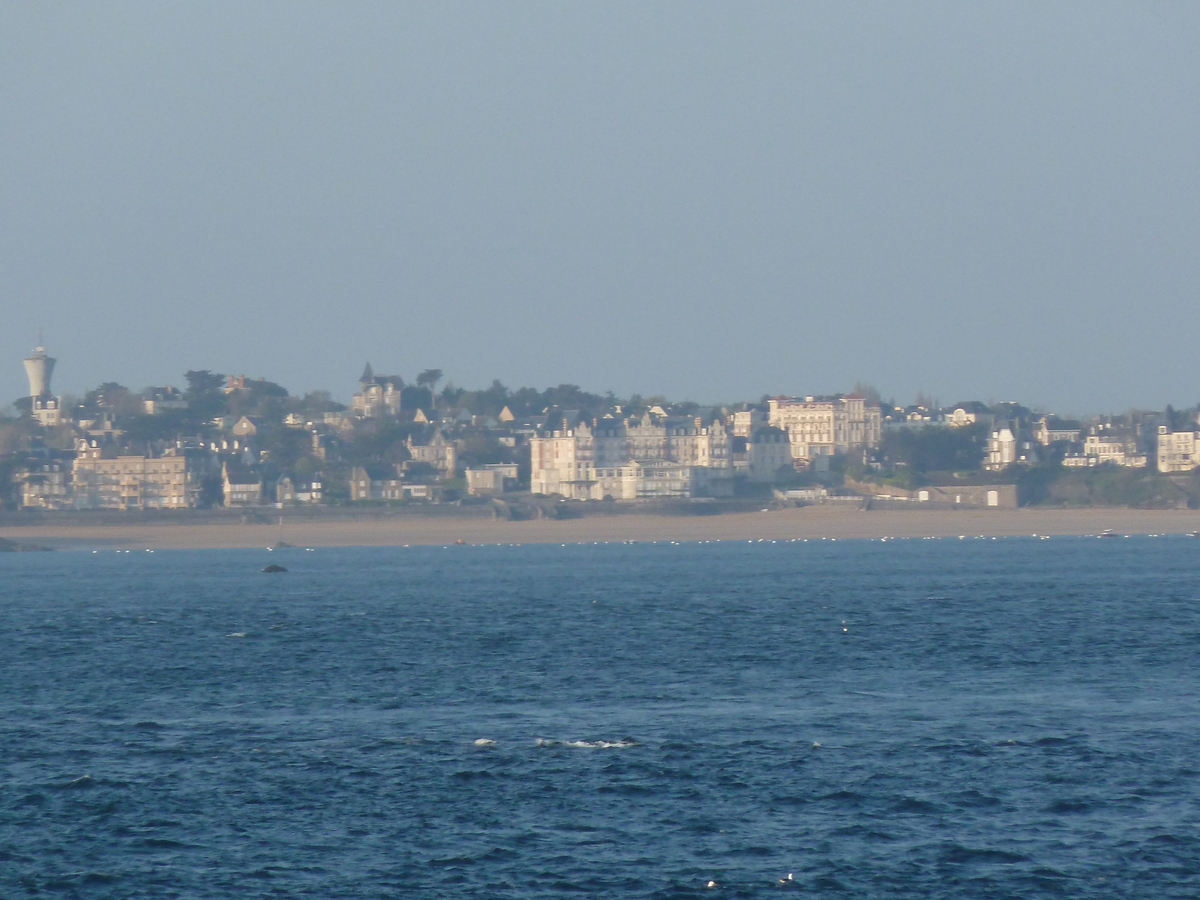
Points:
(203, 396)
(933, 449)
(286, 446)
(203, 383)
(259, 398)
(429, 379)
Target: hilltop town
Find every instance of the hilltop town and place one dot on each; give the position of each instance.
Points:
(236, 442)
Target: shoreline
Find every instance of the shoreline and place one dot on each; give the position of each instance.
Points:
(803, 522)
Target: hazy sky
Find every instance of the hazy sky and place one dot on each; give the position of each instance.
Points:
(707, 200)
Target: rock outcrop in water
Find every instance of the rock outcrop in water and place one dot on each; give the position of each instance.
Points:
(7, 546)
(274, 568)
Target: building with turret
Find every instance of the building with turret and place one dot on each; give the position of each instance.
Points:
(379, 397)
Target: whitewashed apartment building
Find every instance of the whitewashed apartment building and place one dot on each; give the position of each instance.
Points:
(634, 459)
(1178, 451)
(825, 426)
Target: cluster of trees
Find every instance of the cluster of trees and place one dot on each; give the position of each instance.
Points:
(933, 449)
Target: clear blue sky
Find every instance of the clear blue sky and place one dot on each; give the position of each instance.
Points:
(707, 200)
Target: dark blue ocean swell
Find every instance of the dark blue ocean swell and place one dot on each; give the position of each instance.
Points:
(978, 718)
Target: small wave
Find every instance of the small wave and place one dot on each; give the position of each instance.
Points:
(595, 745)
(484, 742)
(626, 789)
(1169, 839)
(1055, 741)
(844, 798)
(470, 775)
(914, 805)
(163, 843)
(1069, 805)
(974, 798)
(862, 831)
(957, 853)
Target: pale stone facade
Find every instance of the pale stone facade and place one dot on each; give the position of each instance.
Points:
(818, 426)
(1009, 443)
(748, 421)
(963, 416)
(131, 482)
(160, 399)
(439, 452)
(632, 459)
(1049, 431)
(385, 484)
(48, 411)
(1110, 449)
(379, 396)
(45, 483)
(761, 455)
(1178, 451)
(298, 491)
(491, 479)
(241, 488)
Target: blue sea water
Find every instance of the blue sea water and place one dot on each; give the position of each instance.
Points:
(918, 718)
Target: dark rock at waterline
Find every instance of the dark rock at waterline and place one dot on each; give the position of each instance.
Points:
(7, 546)
(274, 568)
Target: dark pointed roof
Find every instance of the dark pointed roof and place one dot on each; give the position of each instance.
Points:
(367, 376)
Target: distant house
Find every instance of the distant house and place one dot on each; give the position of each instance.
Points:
(761, 455)
(492, 479)
(439, 452)
(1108, 446)
(324, 445)
(970, 413)
(380, 483)
(1178, 451)
(44, 479)
(47, 410)
(1009, 443)
(379, 396)
(157, 400)
(245, 426)
(1050, 430)
(747, 421)
(454, 417)
(299, 491)
(241, 487)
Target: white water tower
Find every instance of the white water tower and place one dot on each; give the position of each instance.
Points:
(39, 367)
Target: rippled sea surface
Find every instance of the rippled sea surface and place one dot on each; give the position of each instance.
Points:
(920, 718)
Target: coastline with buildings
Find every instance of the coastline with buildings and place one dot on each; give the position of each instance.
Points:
(228, 452)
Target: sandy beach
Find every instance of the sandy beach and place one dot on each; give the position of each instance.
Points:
(804, 522)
